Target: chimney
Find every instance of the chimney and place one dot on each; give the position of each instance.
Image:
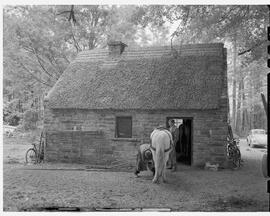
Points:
(116, 48)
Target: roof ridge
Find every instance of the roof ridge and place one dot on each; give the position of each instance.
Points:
(185, 46)
(96, 55)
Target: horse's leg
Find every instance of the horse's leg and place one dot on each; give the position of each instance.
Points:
(166, 158)
(156, 175)
(155, 179)
(163, 174)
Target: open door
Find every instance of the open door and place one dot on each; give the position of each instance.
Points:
(184, 145)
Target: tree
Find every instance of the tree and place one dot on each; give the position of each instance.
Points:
(205, 24)
(97, 24)
(40, 42)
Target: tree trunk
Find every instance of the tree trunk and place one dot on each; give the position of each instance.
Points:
(244, 109)
(264, 103)
(238, 109)
(234, 84)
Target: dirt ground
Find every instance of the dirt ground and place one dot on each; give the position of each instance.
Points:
(33, 188)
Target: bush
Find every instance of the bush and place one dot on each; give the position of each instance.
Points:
(13, 119)
(29, 121)
(11, 116)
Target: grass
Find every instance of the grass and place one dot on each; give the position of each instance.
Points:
(234, 203)
(190, 189)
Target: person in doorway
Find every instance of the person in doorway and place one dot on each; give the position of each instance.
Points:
(181, 143)
(175, 134)
(187, 131)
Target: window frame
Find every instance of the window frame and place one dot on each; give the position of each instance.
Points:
(117, 126)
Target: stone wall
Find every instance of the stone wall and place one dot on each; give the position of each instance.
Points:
(63, 144)
(78, 147)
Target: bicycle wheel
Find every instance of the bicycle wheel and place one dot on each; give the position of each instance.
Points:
(230, 152)
(41, 147)
(31, 156)
(237, 157)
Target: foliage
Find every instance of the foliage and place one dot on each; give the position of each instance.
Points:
(242, 27)
(40, 41)
(10, 114)
(29, 121)
(212, 23)
(13, 119)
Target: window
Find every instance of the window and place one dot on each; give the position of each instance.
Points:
(123, 127)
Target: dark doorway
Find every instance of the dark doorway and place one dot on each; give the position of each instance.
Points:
(184, 145)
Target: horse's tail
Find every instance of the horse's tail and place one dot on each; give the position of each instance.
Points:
(159, 161)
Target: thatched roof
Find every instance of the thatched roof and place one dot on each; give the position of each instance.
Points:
(149, 78)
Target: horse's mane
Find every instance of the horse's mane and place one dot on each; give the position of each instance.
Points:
(161, 128)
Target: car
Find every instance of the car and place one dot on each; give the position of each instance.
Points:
(257, 137)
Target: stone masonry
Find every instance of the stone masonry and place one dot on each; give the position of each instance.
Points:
(88, 136)
(97, 141)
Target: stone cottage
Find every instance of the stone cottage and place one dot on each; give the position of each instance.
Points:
(108, 101)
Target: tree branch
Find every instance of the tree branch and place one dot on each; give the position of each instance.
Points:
(41, 65)
(55, 64)
(71, 14)
(64, 57)
(78, 48)
(176, 32)
(36, 78)
(33, 51)
(27, 49)
(62, 13)
(250, 49)
(226, 15)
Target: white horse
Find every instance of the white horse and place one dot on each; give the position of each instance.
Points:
(161, 146)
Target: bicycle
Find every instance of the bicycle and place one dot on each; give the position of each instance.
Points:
(36, 155)
(234, 153)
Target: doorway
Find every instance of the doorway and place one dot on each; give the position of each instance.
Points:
(183, 147)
